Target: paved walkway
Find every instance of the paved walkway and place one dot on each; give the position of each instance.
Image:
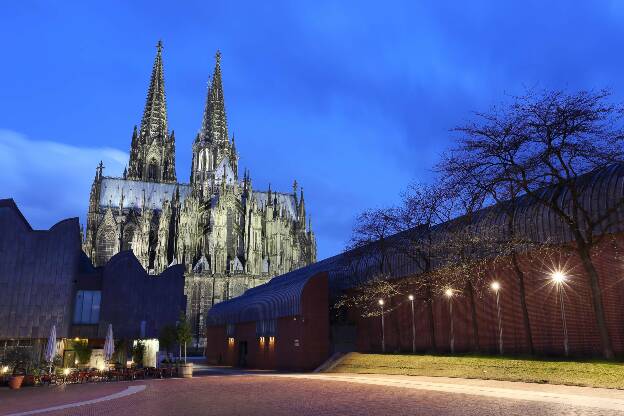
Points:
(221, 391)
(608, 399)
(130, 390)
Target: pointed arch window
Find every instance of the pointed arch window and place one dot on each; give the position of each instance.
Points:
(128, 237)
(106, 245)
(152, 170)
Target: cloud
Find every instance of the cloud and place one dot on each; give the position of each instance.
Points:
(48, 180)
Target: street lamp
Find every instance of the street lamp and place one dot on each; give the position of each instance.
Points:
(496, 288)
(559, 279)
(449, 294)
(411, 299)
(383, 336)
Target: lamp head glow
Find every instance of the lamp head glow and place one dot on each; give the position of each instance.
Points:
(411, 297)
(381, 302)
(495, 286)
(66, 371)
(448, 292)
(558, 277)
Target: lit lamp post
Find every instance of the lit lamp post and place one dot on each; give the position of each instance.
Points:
(411, 299)
(559, 279)
(496, 288)
(449, 294)
(383, 336)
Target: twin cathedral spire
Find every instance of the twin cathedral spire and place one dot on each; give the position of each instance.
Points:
(152, 152)
(214, 155)
(228, 235)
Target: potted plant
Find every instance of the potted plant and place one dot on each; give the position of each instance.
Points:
(17, 359)
(184, 337)
(33, 375)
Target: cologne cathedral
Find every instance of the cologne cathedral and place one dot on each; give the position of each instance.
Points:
(228, 236)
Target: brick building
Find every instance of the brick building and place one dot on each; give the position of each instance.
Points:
(282, 324)
(550, 315)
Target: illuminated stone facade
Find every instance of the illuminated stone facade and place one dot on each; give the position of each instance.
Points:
(228, 236)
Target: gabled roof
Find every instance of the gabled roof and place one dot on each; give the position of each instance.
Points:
(226, 164)
(287, 200)
(155, 193)
(202, 265)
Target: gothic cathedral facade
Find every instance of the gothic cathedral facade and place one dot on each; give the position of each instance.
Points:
(229, 236)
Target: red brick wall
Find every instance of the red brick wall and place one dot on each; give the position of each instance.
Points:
(542, 304)
(310, 329)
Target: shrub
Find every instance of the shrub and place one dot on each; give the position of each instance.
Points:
(167, 338)
(138, 352)
(83, 351)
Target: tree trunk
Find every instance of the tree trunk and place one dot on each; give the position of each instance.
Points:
(523, 305)
(397, 323)
(475, 325)
(592, 274)
(429, 301)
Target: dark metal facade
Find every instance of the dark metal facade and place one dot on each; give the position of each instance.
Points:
(38, 269)
(137, 304)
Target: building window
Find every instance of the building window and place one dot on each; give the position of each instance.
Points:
(128, 236)
(87, 307)
(152, 170)
(106, 244)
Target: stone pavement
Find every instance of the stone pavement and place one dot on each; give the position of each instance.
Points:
(231, 392)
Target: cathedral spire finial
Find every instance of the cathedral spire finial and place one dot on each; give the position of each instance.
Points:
(302, 213)
(160, 167)
(214, 123)
(99, 170)
(155, 114)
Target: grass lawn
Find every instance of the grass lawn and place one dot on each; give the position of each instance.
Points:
(593, 373)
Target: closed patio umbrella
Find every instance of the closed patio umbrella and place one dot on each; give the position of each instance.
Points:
(50, 351)
(109, 344)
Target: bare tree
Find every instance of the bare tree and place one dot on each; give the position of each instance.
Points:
(467, 173)
(540, 145)
(368, 263)
(369, 245)
(366, 296)
(423, 207)
(396, 242)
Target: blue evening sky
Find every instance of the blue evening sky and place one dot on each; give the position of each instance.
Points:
(352, 99)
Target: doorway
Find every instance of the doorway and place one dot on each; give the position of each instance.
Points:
(242, 354)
